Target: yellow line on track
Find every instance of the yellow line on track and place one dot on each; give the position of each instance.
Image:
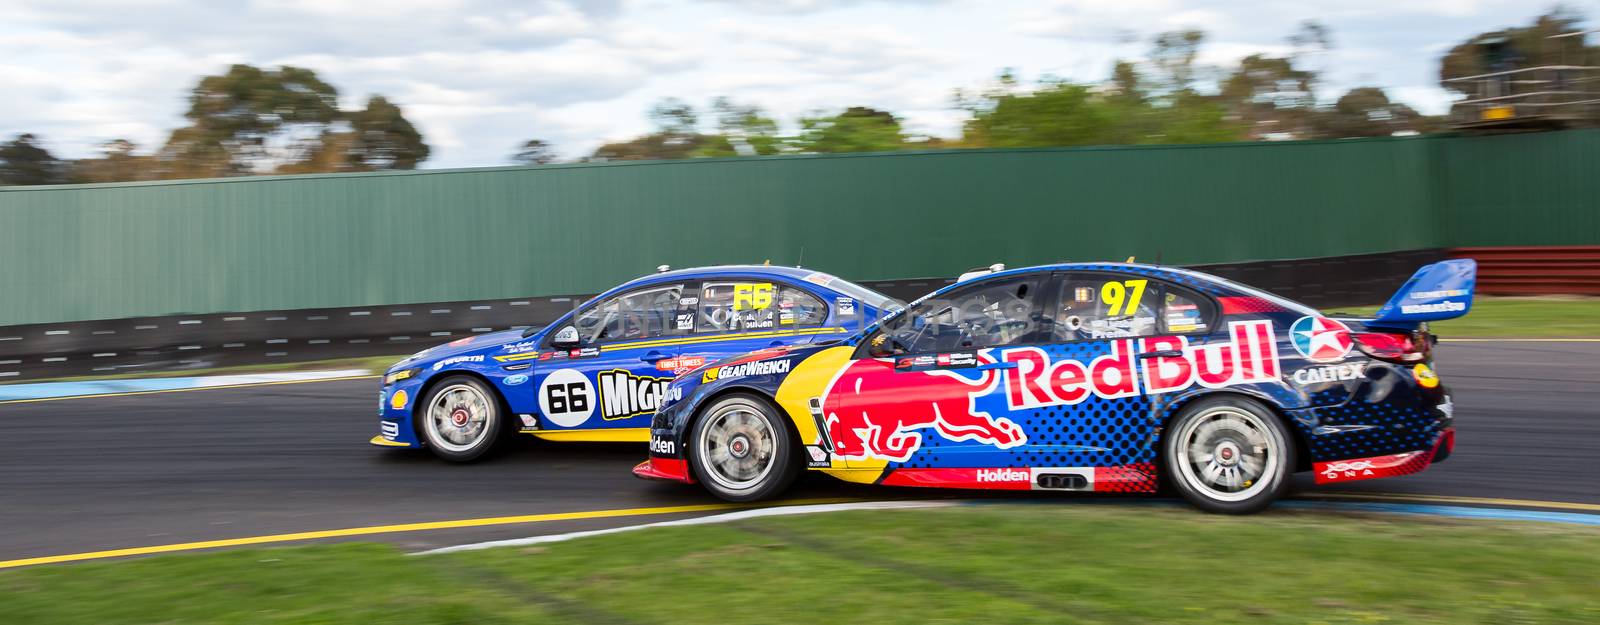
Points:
(389, 529)
(1397, 497)
(186, 390)
(632, 512)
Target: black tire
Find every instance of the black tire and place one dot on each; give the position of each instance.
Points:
(1229, 455)
(445, 433)
(715, 442)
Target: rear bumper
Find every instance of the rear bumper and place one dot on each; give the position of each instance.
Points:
(1391, 465)
(666, 469)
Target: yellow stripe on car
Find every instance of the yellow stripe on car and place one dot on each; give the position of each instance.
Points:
(606, 435)
(688, 340)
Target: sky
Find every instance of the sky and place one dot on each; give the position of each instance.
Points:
(479, 77)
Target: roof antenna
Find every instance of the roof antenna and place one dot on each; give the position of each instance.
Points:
(1158, 257)
(1130, 260)
(802, 262)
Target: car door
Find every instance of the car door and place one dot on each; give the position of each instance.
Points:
(735, 316)
(615, 376)
(1118, 342)
(943, 394)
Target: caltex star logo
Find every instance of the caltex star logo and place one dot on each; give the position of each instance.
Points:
(1320, 339)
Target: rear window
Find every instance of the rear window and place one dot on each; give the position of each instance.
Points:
(861, 294)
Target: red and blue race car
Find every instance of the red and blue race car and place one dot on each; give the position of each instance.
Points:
(1080, 377)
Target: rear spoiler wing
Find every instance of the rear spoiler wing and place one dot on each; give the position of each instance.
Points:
(1442, 290)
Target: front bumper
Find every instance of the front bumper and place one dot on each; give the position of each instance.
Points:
(395, 404)
(667, 469)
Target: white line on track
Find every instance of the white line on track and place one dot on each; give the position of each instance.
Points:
(705, 520)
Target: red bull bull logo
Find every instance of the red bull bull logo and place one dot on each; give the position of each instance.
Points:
(872, 411)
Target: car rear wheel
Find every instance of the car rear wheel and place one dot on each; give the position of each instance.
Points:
(741, 451)
(461, 419)
(1229, 455)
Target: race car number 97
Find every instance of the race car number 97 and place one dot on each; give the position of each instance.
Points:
(1117, 294)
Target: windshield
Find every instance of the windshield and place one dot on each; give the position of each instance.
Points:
(1284, 302)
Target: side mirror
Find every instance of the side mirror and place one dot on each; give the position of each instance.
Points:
(566, 338)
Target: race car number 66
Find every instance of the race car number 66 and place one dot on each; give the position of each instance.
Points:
(564, 398)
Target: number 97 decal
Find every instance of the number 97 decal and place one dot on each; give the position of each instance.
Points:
(1123, 297)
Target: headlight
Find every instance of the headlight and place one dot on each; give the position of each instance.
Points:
(403, 374)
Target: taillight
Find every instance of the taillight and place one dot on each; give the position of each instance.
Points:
(1402, 348)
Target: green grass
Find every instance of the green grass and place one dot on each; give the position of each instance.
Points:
(1514, 317)
(375, 364)
(997, 563)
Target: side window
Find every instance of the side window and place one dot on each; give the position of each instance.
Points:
(988, 314)
(642, 314)
(799, 309)
(1105, 306)
(737, 306)
(1185, 312)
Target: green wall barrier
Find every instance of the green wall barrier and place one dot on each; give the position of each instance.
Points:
(111, 251)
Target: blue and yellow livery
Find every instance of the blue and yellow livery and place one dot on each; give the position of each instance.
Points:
(600, 372)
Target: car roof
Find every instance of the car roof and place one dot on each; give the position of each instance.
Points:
(714, 271)
(1187, 277)
(1156, 270)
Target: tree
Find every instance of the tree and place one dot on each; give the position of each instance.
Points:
(384, 138)
(1173, 54)
(742, 130)
(1057, 114)
(676, 136)
(1368, 112)
(249, 120)
(1272, 96)
(1060, 113)
(857, 129)
(117, 163)
(534, 152)
(24, 162)
(285, 120)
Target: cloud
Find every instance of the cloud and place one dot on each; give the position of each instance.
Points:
(478, 77)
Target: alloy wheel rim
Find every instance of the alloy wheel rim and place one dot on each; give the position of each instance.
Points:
(458, 418)
(738, 447)
(1228, 454)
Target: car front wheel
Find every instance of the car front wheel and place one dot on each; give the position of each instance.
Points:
(461, 419)
(741, 451)
(1229, 455)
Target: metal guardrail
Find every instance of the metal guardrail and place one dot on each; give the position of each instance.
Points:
(1570, 270)
(179, 342)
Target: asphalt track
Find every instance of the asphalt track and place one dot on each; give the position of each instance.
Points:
(95, 474)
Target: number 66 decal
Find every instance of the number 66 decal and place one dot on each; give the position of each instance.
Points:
(566, 398)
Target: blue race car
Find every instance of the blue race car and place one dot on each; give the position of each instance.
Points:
(1080, 377)
(599, 372)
